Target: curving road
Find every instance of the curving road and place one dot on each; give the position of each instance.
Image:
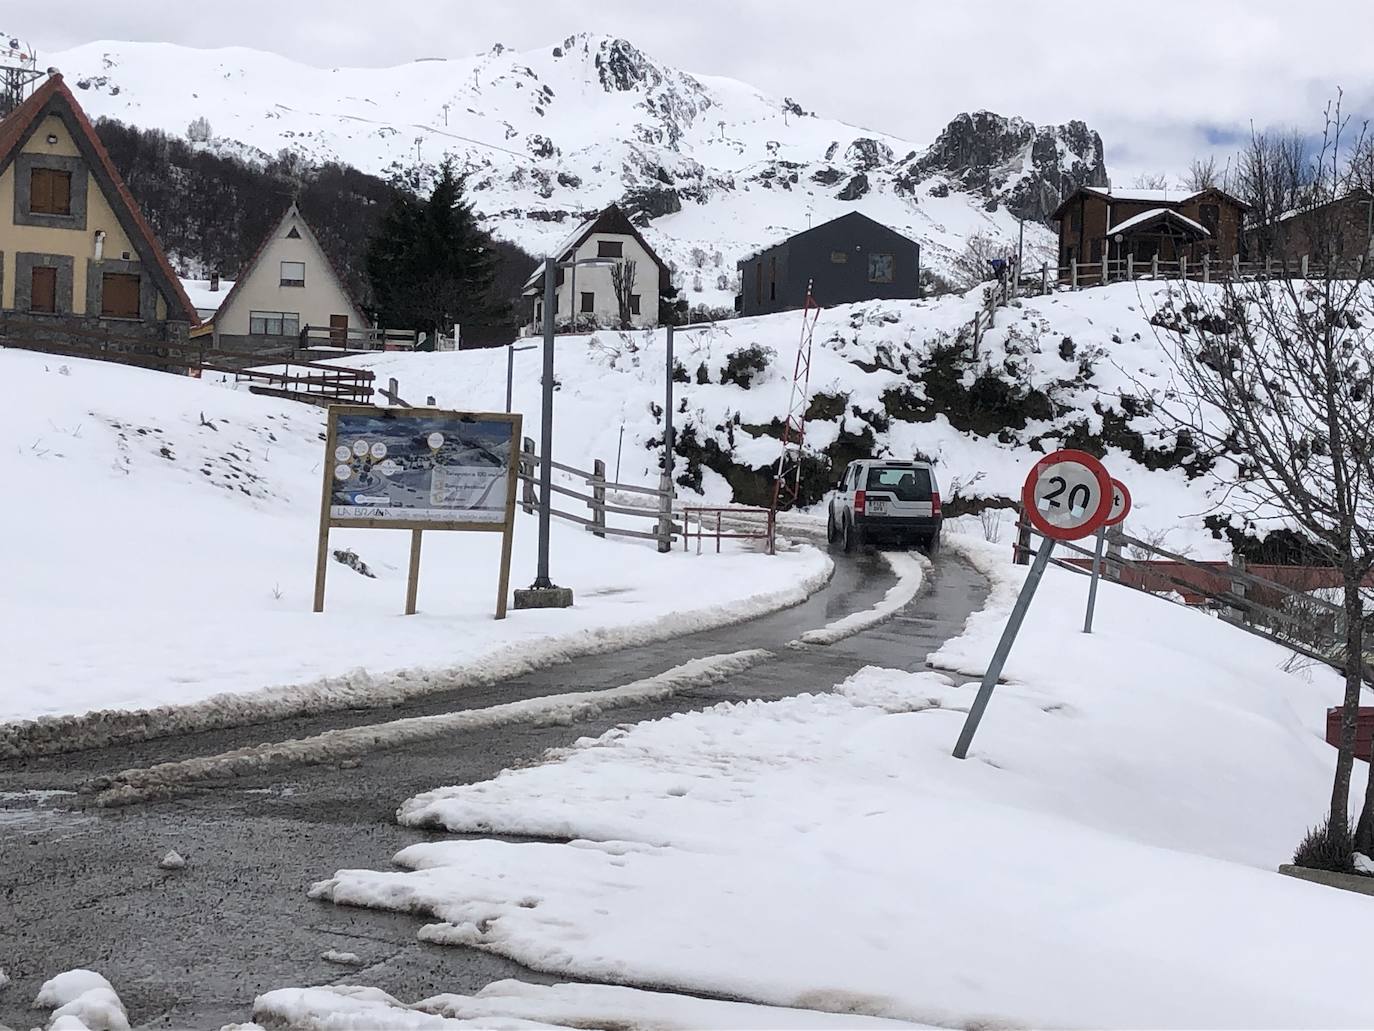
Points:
(191, 948)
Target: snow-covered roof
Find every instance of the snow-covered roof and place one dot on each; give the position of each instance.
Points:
(1169, 214)
(562, 250)
(202, 297)
(1144, 196)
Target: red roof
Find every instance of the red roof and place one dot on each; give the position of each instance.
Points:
(21, 123)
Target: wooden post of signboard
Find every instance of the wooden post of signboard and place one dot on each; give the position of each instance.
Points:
(413, 579)
(326, 487)
(508, 534)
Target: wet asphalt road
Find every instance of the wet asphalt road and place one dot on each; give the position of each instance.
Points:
(191, 948)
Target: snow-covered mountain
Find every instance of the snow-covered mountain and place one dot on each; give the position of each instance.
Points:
(713, 167)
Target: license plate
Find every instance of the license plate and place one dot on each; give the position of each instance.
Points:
(877, 507)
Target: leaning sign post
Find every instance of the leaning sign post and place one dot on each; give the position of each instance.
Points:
(1067, 496)
(1121, 508)
(419, 469)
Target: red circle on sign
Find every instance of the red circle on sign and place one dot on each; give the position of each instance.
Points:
(1125, 509)
(1093, 470)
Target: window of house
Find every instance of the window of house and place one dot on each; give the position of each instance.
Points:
(44, 294)
(610, 249)
(274, 323)
(119, 295)
(293, 273)
(839, 257)
(295, 234)
(1076, 220)
(538, 311)
(773, 278)
(1211, 217)
(50, 192)
(882, 268)
(634, 304)
(758, 280)
(588, 301)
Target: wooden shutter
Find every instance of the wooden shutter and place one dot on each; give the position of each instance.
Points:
(44, 295)
(50, 192)
(119, 296)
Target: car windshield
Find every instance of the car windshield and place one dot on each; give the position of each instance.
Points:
(906, 483)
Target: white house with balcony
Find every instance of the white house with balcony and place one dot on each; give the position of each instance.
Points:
(589, 292)
(288, 285)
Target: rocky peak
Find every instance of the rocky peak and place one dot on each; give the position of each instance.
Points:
(1030, 168)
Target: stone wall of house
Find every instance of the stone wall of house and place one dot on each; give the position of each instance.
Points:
(159, 345)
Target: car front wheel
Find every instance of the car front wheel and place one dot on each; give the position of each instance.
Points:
(831, 533)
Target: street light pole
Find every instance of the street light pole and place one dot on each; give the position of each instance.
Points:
(665, 483)
(541, 579)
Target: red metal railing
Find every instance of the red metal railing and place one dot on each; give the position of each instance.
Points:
(727, 526)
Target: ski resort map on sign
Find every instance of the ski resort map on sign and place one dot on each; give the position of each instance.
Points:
(437, 467)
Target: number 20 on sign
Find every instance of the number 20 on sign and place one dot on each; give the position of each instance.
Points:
(1067, 496)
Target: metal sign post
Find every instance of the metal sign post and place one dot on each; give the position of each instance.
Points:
(1121, 507)
(999, 657)
(1067, 496)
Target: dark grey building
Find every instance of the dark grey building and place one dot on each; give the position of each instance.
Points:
(850, 258)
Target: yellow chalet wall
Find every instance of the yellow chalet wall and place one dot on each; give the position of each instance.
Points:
(80, 244)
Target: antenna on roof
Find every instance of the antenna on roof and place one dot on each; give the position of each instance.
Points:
(18, 72)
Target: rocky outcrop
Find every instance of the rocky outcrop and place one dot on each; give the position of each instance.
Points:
(866, 154)
(1032, 168)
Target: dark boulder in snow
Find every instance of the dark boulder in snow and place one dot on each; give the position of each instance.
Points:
(855, 188)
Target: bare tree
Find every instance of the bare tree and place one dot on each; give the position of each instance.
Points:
(974, 264)
(1151, 181)
(1276, 379)
(1202, 175)
(199, 130)
(1275, 177)
(623, 283)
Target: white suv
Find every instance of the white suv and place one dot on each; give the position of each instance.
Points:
(889, 501)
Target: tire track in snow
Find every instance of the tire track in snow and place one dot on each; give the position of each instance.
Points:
(166, 780)
(911, 574)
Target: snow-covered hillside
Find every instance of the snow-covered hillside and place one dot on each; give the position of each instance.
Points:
(886, 378)
(173, 522)
(715, 167)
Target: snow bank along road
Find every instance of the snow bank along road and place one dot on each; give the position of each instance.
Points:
(192, 947)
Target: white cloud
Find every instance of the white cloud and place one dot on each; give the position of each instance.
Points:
(1152, 78)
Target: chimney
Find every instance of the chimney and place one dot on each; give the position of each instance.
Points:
(214, 282)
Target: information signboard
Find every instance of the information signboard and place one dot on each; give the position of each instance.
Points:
(419, 469)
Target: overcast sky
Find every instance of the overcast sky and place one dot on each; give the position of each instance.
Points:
(1161, 80)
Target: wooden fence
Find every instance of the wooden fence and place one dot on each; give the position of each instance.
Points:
(314, 383)
(1280, 606)
(594, 496)
(1077, 274)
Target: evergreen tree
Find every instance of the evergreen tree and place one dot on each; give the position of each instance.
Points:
(430, 264)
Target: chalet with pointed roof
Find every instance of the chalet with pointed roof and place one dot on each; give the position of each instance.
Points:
(288, 287)
(1142, 224)
(589, 291)
(80, 268)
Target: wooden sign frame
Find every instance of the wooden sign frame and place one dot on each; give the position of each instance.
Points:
(416, 526)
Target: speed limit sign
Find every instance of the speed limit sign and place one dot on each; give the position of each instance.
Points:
(1067, 495)
(1121, 504)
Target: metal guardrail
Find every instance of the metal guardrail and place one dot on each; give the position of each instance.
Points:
(728, 529)
(1313, 627)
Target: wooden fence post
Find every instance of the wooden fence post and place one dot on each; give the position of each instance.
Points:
(1130, 266)
(1235, 266)
(527, 477)
(1206, 268)
(1183, 267)
(1104, 274)
(1112, 570)
(1044, 278)
(665, 516)
(1154, 265)
(1238, 615)
(1021, 550)
(598, 507)
(1304, 266)
(1073, 273)
(1268, 264)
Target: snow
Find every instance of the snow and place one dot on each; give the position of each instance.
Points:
(727, 149)
(1145, 216)
(81, 1000)
(827, 852)
(170, 778)
(1362, 863)
(609, 380)
(515, 1004)
(910, 570)
(1172, 196)
(172, 861)
(203, 299)
(174, 522)
(347, 959)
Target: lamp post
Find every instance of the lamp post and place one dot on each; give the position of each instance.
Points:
(543, 594)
